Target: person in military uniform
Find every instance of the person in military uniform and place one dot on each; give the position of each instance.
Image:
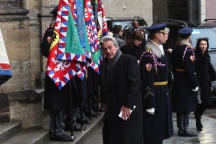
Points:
(120, 85)
(185, 82)
(157, 113)
(55, 100)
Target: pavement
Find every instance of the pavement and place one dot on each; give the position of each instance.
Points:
(206, 136)
(11, 133)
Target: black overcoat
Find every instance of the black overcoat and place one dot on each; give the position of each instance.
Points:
(205, 74)
(158, 126)
(122, 88)
(136, 51)
(185, 79)
(120, 40)
(55, 99)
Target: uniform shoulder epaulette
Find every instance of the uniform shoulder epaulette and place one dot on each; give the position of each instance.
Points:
(189, 46)
(148, 50)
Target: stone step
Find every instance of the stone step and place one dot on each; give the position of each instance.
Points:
(81, 137)
(7, 130)
(42, 136)
(29, 137)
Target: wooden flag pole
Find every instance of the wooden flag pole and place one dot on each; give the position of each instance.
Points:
(71, 113)
(88, 94)
(81, 107)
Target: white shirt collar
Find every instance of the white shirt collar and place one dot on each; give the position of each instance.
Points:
(160, 47)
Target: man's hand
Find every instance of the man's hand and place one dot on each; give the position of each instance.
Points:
(169, 50)
(126, 112)
(212, 89)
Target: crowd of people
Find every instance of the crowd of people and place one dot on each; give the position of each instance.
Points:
(170, 77)
(136, 86)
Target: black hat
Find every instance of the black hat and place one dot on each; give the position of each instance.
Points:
(54, 10)
(157, 28)
(186, 30)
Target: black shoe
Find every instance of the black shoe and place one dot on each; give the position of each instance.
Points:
(94, 108)
(188, 134)
(199, 126)
(85, 120)
(93, 114)
(63, 137)
(76, 127)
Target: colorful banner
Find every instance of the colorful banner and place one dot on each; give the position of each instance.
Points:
(5, 70)
(102, 25)
(69, 47)
(61, 71)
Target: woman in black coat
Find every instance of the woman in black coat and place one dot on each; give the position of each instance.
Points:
(135, 45)
(205, 74)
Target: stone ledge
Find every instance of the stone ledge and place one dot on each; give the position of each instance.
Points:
(26, 107)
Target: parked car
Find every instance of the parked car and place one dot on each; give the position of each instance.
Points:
(174, 26)
(126, 23)
(208, 29)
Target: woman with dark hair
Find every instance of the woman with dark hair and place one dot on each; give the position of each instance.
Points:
(133, 43)
(205, 74)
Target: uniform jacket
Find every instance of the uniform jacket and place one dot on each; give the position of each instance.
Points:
(120, 86)
(120, 40)
(185, 79)
(54, 99)
(205, 74)
(158, 126)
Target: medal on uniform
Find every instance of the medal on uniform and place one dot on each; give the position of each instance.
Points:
(148, 66)
(192, 58)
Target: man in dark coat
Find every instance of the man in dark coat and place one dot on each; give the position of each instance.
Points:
(135, 26)
(117, 31)
(185, 82)
(157, 113)
(121, 88)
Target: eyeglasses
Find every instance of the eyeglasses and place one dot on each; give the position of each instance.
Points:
(163, 33)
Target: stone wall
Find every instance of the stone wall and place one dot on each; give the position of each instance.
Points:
(15, 31)
(128, 8)
(45, 19)
(21, 37)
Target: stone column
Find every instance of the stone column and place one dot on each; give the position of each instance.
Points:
(14, 25)
(24, 103)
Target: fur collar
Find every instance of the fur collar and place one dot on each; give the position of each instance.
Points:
(154, 47)
(185, 42)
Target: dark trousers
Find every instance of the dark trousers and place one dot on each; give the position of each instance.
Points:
(200, 108)
(182, 121)
(57, 124)
(105, 134)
